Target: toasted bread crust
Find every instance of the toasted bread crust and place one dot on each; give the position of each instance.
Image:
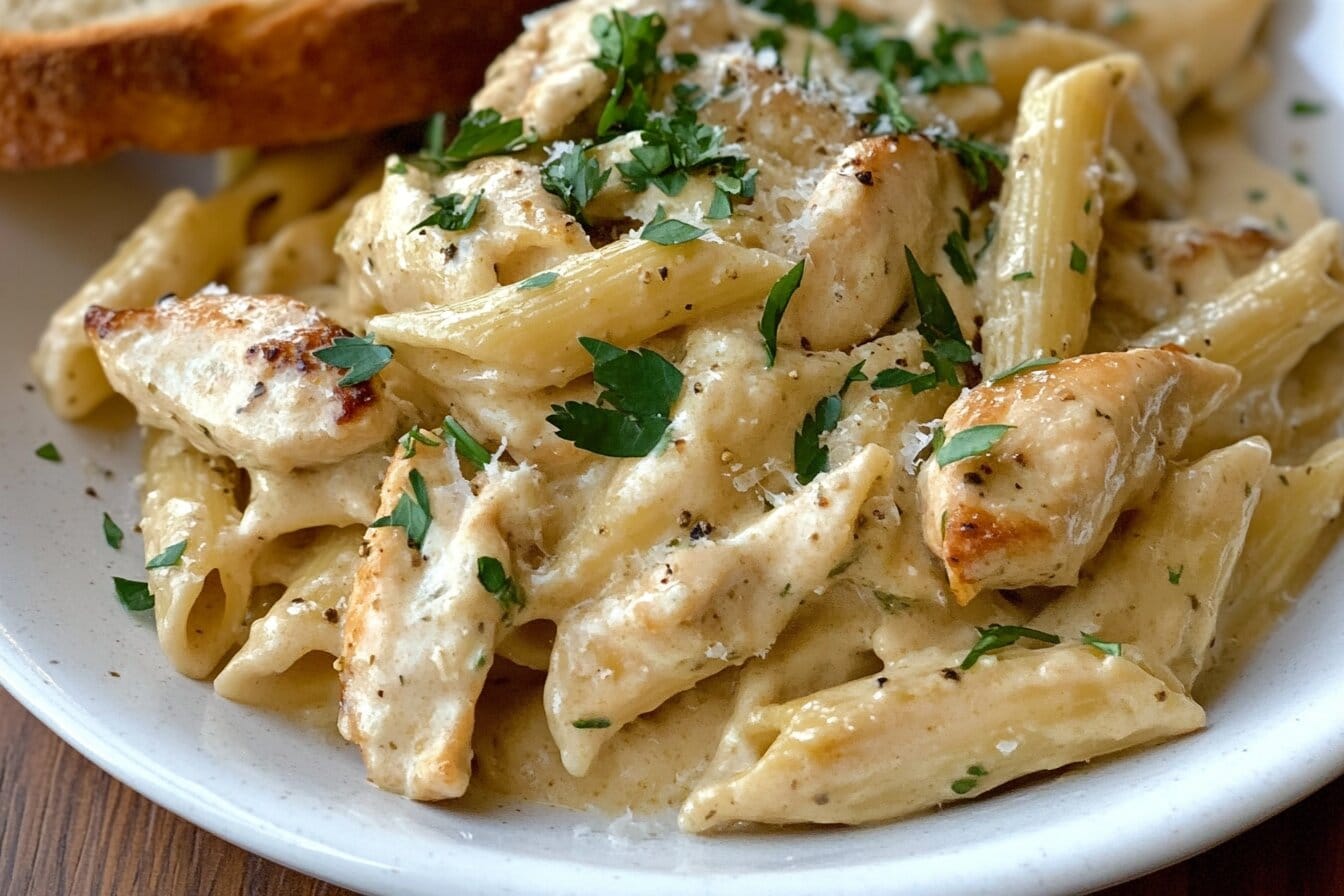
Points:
(237, 73)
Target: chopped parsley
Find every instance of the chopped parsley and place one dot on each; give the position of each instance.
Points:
(973, 442)
(112, 533)
(1306, 108)
(1077, 259)
(414, 435)
(1020, 276)
(359, 356)
(466, 445)
(539, 281)
(776, 303)
(771, 38)
(1029, 364)
(1174, 575)
(170, 556)
(593, 722)
(667, 231)
(810, 457)
(639, 389)
(996, 637)
(490, 573)
(958, 253)
(1256, 195)
(134, 596)
(575, 178)
(482, 133)
(965, 785)
(48, 452)
(976, 156)
(452, 212)
(1113, 648)
(947, 347)
(411, 513)
(889, 109)
(1302, 177)
(627, 46)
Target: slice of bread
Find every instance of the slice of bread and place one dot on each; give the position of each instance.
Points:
(197, 75)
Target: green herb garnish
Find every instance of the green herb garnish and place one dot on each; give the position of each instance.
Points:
(1020, 276)
(595, 722)
(112, 533)
(667, 231)
(627, 46)
(1113, 648)
(170, 556)
(776, 303)
(973, 442)
(408, 441)
(452, 212)
(810, 457)
(359, 356)
(1174, 575)
(958, 253)
(48, 452)
(996, 637)
(482, 133)
(467, 446)
(490, 573)
(1029, 364)
(134, 596)
(639, 389)
(539, 281)
(411, 513)
(575, 178)
(1306, 108)
(1077, 259)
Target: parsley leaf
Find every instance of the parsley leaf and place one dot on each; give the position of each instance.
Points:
(1020, 276)
(134, 596)
(1077, 259)
(628, 46)
(411, 513)
(170, 556)
(667, 231)
(1029, 364)
(1174, 575)
(48, 452)
(776, 303)
(414, 435)
(1306, 108)
(965, 785)
(639, 386)
(769, 37)
(594, 722)
(941, 331)
(490, 573)
(958, 253)
(943, 70)
(482, 133)
(889, 108)
(576, 178)
(972, 442)
(112, 533)
(976, 156)
(810, 457)
(360, 356)
(450, 213)
(467, 446)
(539, 281)
(1114, 648)
(996, 637)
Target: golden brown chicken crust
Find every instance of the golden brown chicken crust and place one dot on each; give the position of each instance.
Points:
(240, 74)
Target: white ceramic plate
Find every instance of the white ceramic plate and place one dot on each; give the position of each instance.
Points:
(299, 797)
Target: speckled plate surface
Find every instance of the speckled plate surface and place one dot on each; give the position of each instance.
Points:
(297, 795)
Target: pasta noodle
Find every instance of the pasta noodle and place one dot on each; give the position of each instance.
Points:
(779, 412)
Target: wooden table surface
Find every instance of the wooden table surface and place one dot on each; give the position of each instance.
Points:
(68, 829)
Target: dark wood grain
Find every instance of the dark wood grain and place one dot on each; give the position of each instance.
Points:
(67, 829)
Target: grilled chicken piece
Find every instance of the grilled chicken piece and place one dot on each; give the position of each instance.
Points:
(884, 195)
(236, 376)
(420, 628)
(1092, 437)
